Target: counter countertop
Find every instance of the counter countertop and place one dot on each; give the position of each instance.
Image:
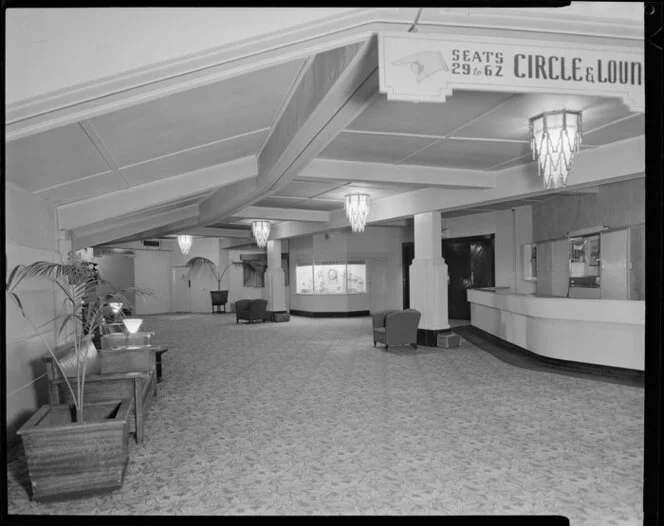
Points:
(573, 309)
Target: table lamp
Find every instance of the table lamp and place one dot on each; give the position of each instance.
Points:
(132, 325)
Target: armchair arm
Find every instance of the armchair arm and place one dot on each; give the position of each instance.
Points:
(378, 318)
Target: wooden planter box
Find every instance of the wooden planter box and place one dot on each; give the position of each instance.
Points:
(66, 459)
(219, 298)
(281, 316)
(125, 359)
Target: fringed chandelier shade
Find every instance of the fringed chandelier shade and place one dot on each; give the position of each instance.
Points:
(132, 324)
(261, 231)
(184, 242)
(555, 138)
(357, 210)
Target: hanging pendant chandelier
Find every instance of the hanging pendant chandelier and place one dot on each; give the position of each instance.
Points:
(184, 241)
(261, 231)
(357, 210)
(555, 138)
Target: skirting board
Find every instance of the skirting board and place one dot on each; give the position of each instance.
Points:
(627, 376)
(310, 314)
(429, 337)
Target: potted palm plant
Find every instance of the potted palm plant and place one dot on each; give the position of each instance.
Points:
(76, 449)
(204, 265)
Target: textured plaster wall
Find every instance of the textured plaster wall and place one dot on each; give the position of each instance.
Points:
(380, 247)
(30, 236)
(615, 205)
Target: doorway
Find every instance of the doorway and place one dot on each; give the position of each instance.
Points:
(180, 289)
(470, 264)
(377, 270)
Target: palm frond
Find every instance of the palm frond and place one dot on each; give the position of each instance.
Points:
(200, 264)
(18, 301)
(47, 269)
(65, 320)
(15, 277)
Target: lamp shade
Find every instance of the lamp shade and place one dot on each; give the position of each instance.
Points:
(357, 210)
(184, 242)
(555, 138)
(116, 306)
(261, 231)
(132, 324)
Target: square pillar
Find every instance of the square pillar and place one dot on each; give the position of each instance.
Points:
(275, 284)
(428, 280)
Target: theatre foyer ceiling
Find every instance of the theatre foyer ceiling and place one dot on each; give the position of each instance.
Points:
(283, 135)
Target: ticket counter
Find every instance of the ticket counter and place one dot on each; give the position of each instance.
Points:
(598, 331)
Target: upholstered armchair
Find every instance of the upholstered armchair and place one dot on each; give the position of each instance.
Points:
(394, 327)
(250, 310)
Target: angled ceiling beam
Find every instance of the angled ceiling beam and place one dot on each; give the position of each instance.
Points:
(234, 242)
(115, 231)
(614, 162)
(137, 198)
(289, 229)
(335, 88)
(218, 232)
(282, 214)
(331, 169)
(177, 227)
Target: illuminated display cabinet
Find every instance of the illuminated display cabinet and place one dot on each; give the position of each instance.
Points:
(331, 278)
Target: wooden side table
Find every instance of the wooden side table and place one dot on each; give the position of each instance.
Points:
(157, 355)
(127, 359)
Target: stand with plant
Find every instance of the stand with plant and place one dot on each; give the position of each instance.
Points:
(82, 448)
(204, 266)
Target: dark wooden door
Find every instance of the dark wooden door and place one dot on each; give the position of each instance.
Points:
(470, 264)
(457, 257)
(482, 273)
(407, 255)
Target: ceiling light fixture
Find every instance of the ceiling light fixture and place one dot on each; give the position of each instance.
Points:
(184, 241)
(261, 231)
(555, 138)
(357, 210)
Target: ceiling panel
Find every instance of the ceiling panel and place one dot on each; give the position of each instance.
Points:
(365, 147)
(190, 160)
(617, 132)
(305, 188)
(518, 161)
(526, 159)
(374, 193)
(510, 121)
(202, 115)
(431, 118)
(327, 205)
(280, 202)
(83, 189)
(473, 155)
(53, 157)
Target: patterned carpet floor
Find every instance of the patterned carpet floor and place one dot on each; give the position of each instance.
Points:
(308, 418)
